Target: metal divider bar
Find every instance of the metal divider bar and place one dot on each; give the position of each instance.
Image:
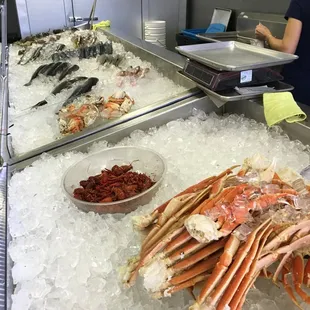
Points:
(4, 39)
(3, 167)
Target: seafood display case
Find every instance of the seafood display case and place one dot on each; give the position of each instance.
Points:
(83, 84)
(190, 116)
(53, 255)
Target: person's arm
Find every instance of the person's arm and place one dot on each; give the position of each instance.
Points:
(292, 33)
(290, 40)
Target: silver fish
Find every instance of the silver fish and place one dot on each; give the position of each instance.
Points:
(30, 54)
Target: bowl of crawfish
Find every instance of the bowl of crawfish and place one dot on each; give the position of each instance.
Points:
(115, 180)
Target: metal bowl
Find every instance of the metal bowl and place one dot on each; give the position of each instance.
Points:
(143, 160)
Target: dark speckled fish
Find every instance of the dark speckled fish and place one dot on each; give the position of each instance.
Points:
(82, 89)
(68, 71)
(60, 87)
(59, 69)
(51, 69)
(35, 74)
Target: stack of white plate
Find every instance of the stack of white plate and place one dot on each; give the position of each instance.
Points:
(155, 32)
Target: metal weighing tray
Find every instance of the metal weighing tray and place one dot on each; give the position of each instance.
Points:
(234, 56)
(233, 95)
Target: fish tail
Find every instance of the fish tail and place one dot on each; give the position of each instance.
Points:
(39, 104)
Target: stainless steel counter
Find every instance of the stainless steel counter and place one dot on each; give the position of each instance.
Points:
(146, 48)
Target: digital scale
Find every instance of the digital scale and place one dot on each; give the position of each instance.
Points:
(224, 80)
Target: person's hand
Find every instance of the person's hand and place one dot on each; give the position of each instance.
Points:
(262, 32)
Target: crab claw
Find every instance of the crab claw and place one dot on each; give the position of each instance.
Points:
(126, 271)
(143, 221)
(202, 228)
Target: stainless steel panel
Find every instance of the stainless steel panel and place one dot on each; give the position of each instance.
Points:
(174, 12)
(200, 11)
(124, 15)
(45, 15)
(234, 56)
(23, 17)
(232, 95)
(247, 22)
(4, 41)
(255, 110)
(5, 282)
(245, 28)
(145, 49)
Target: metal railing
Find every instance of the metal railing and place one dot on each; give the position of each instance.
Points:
(4, 39)
(3, 157)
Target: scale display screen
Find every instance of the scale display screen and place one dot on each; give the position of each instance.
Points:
(223, 80)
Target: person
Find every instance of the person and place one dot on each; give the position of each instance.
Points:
(295, 41)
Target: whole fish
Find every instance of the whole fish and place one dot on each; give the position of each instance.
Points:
(46, 67)
(37, 53)
(52, 68)
(60, 47)
(30, 54)
(59, 69)
(35, 74)
(109, 59)
(68, 71)
(84, 52)
(80, 90)
(63, 85)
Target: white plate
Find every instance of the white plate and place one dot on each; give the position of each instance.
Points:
(155, 35)
(155, 30)
(155, 24)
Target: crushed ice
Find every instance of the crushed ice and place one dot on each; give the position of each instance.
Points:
(67, 259)
(39, 127)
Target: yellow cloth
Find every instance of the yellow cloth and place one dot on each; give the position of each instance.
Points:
(102, 24)
(282, 106)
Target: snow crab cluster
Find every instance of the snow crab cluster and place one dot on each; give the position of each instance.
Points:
(133, 74)
(221, 234)
(74, 118)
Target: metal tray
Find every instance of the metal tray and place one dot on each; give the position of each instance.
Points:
(234, 56)
(232, 95)
(221, 16)
(227, 36)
